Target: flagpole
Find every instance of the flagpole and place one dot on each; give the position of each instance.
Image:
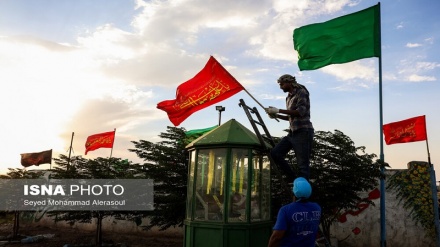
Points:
(114, 136)
(50, 166)
(383, 242)
(256, 100)
(427, 146)
(433, 192)
(70, 151)
(253, 97)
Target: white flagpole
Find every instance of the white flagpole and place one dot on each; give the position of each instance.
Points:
(114, 137)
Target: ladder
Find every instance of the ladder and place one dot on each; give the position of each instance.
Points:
(264, 140)
(248, 110)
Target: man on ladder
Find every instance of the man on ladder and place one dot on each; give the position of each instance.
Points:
(300, 136)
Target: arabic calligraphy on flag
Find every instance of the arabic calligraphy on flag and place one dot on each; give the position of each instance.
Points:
(102, 140)
(409, 130)
(211, 85)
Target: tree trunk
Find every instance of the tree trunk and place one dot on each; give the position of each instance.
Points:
(98, 240)
(16, 224)
(326, 231)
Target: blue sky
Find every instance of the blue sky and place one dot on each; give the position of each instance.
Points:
(92, 66)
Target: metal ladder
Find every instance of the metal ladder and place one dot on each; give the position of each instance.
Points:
(264, 140)
(248, 110)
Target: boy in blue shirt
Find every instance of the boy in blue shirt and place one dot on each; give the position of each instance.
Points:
(297, 223)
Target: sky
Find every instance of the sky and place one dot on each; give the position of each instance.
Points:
(78, 68)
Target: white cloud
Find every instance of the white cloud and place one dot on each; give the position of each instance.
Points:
(111, 43)
(112, 78)
(276, 41)
(418, 78)
(411, 70)
(48, 85)
(311, 8)
(356, 69)
(429, 41)
(190, 17)
(413, 45)
(426, 66)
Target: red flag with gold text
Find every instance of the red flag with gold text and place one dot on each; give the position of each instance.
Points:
(102, 140)
(211, 85)
(409, 130)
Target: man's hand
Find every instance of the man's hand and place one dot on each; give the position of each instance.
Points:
(272, 116)
(271, 110)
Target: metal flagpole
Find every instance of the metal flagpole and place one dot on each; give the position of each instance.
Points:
(253, 98)
(114, 137)
(434, 193)
(435, 203)
(70, 151)
(50, 166)
(257, 101)
(383, 242)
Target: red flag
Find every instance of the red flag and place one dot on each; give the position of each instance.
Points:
(211, 85)
(31, 159)
(102, 140)
(409, 130)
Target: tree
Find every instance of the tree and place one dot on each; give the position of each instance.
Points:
(17, 173)
(414, 190)
(99, 168)
(166, 162)
(339, 172)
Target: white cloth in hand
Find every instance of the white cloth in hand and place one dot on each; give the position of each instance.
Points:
(272, 110)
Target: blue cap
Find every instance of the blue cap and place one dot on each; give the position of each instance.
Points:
(302, 188)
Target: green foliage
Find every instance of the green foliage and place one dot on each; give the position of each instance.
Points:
(339, 171)
(166, 162)
(413, 188)
(17, 173)
(69, 169)
(99, 168)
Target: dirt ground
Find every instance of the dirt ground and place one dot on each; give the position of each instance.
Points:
(67, 237)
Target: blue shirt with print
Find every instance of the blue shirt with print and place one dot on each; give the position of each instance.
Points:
(300, 220)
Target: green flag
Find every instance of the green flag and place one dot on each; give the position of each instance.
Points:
(199, 132)
(340, 40)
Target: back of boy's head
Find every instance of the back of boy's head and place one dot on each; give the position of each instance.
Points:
(302, 188)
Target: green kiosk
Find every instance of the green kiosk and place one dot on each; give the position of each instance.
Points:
(228, 201)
